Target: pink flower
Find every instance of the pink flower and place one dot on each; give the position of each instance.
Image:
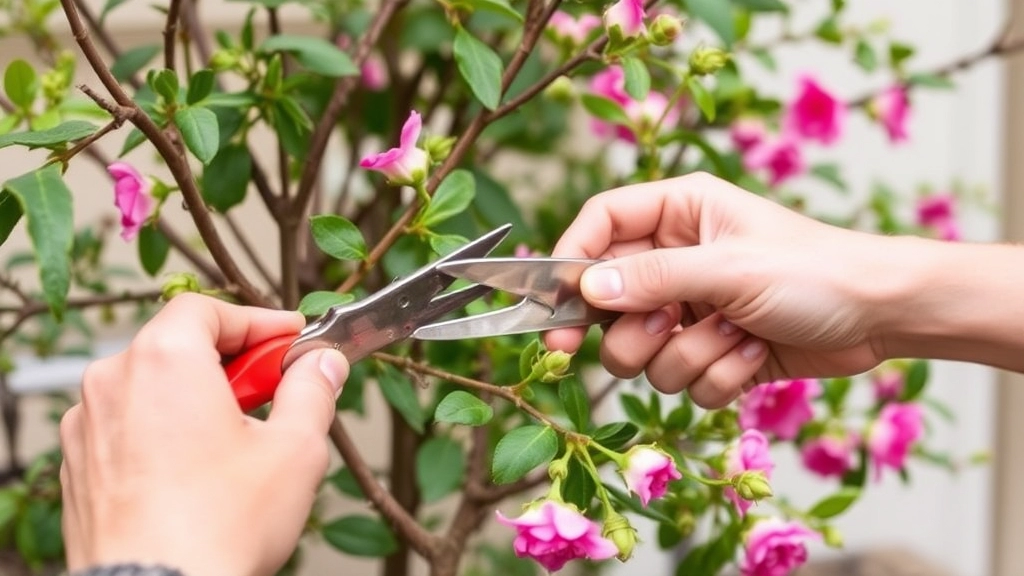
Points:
(830, 455)
(648, 472)
(576, 31)
(748, 452)
(892, 434)
(779, 407)
(374, 73)
(815, 114)
(781, 158)
(775, 547)
(406, 164)
(937, 212)
(610, 83)
(891, 108)
(888, 385)
(746, 133)
(627, 16)
(552, 533)
(132, 197)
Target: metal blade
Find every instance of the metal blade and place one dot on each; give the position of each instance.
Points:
(551, 281)
(526, 316)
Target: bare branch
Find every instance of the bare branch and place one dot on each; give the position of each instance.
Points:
(171, 33)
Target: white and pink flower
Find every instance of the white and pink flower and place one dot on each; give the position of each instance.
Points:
(648, 471)
(553, 533)
(775, 547)
(132, 198)
(407, 164)
(627, 16)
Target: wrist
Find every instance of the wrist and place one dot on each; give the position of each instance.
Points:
(951, 301)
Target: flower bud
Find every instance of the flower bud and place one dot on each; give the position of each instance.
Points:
(832, 536)
(707, 60)
(558, 469)
(223, 60)
(621, 533)
(686, 523)
(438, 147)
(179, 283)
(552, 366)
(561, 90)
(752, 485)
(665, 29)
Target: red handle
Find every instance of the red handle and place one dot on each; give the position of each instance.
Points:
(255, 374)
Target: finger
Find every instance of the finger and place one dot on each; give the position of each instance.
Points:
(690, 352)
(208, 325)
(307, 393)
(633, 340)
(70, 522)
(724, 380)
(73, 484)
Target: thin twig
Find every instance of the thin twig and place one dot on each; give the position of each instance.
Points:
(89, 140)
(171, 33)
(32, 308)
(173, 156)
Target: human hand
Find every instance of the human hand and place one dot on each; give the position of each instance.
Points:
(162, 467)
(723, 289)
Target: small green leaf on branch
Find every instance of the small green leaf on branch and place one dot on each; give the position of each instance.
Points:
(461, 407)
(522, 450)
(338, 237)
(480, 67)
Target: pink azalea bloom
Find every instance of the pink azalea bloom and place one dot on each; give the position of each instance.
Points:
(648, 472)
(829, 455)
(815, 114)
(781, 158)
(406, 164)
(552, 533)
(575, 30)
(892, 434)
(628, 16)
(775, 547)
(746, 133)
(888, 385)
(937, 212)
(132, 197)
(779, 407)
(892, 109)
(374, 73)
(748, 452)
(611, 84)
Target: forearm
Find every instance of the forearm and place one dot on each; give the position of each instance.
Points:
(953, 301)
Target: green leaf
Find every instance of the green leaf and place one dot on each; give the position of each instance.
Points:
(497, 6)
(717, 14)
(200, 86)
(20, 83)
(926, 80)
(526, 358)
(58, 135)
(131, 61)
(445, 244)
(681, 416)
(829, 31)
(835, 391)
(835, 504)
(637, 77)
(315, 54)
(360, 536)
(108, 7)
(829, 173)
(453, 196)
(522, 450)
(604, 109)
(480, 67)
(10, 502)
(899, 53)
(132, 141)
(46, 203)
(616, 434)
(345, 482)
(165, 83)
(762, 5)
(338, 237)
(226, 177)
(916, 379)
(461, 407)
(153, 249)
(10, 214)
(634, 408)
(200, 131)
(575, 403)
(864, 56)
(401, 394)
(318, 302)
(579, 487)
(705, 100)
(440, 468)
(229, 100)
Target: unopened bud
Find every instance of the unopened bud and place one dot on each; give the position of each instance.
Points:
(561, 90)
(558, 469)
(665, 29)
(179, 283)
(832, 537)
(752, 485)
(552, 366)
(621, 533)
(438, 147)
(707, 60)
(223, 60)
(686, 523)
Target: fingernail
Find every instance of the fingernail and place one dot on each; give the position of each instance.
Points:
(603, 283)
(752, 350)
(334, 367)
(657, 322)
(726, 328)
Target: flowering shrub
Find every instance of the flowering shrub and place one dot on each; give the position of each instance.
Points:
(428, 98)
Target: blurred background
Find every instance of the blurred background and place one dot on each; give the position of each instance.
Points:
(963, 524)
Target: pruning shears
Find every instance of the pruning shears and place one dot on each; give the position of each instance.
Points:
(412, 307)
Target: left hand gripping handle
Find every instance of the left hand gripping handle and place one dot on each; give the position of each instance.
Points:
(255, 374)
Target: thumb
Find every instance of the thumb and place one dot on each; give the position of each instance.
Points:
(308, 390)
(648, 280)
